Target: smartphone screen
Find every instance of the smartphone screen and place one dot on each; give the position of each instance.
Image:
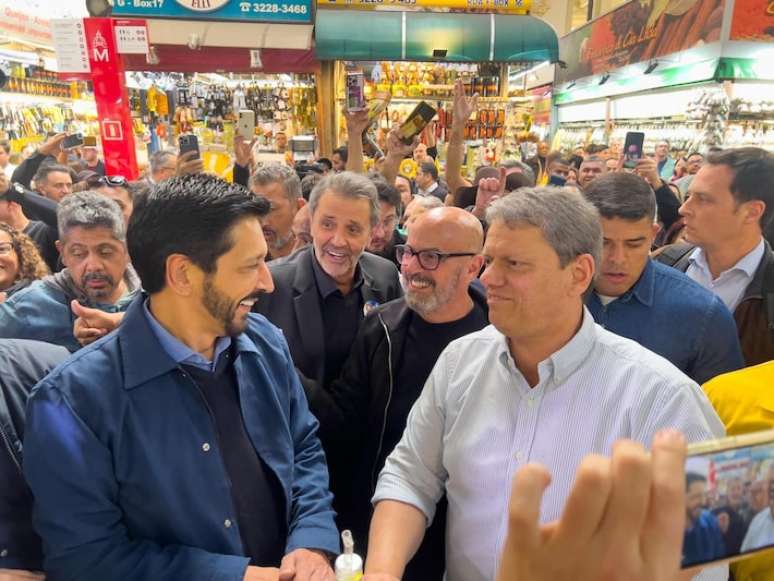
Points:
(729, 503)
(633, 148)
(416, 122)
(188, 143)
(356, 91)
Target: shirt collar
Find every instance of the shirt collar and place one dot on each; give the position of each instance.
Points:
(564, 362)
(325, 284)
(179, 351)
(644, 289)
(748, 264)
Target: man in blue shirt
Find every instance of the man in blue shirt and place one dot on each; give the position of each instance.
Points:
(640, 299)
(703, 540)
(181, 445)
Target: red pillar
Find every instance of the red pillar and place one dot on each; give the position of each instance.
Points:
(115, 121)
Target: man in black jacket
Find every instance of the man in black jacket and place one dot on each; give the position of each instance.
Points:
(363, 414)
(22, 365)
(321, 292)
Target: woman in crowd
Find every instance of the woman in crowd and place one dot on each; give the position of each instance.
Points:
(20, 261)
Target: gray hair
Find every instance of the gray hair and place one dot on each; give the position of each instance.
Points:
(622, 195)
(158, 159)
(427, 202)
(569, 222)
(278, 174)
(525, 169)
(90, 210)
(350, 185)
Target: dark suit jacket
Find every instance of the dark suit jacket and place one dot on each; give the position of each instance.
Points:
(295, 305)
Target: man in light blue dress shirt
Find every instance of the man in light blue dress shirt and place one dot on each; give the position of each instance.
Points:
(542, 384)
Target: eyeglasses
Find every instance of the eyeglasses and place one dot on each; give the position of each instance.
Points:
(6, 248)
(428, 259)
(110, 181)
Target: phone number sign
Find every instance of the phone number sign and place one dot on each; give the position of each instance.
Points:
(290, 11)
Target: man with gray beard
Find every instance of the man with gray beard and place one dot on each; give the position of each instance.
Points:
(363, 413)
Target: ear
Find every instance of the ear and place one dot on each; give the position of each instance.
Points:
(582, 270)
(181, 274)
(474, 269)
(655, 229)
(301, 203)
(59, 246)
(754, 211)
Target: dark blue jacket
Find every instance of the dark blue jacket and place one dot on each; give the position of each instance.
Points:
(676, 317)
(22, 365)
(128, 481)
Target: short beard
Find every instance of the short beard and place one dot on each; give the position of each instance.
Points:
(97, 294)
(222, 308)
(436, 301)
(280, 243)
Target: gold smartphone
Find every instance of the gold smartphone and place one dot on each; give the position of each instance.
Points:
(729, 486)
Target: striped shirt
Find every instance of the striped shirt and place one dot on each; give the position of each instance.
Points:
(477, 421)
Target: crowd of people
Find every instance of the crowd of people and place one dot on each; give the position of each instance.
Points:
(209, 380)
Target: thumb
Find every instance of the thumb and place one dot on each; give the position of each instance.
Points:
(78, 309)
(288, 568)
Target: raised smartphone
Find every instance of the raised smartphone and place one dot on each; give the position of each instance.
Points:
(729, 486)
(246, 124)
(633, 148)
(416, 122)
(71, 141)
(189, 143)
(356, 100)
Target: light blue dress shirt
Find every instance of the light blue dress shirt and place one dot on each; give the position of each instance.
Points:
(477, 421)
(731, 283)
(179, 351)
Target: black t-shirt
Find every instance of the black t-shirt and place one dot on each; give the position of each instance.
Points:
(44, 237)
(424, 344)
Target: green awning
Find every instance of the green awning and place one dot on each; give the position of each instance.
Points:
(416, 36)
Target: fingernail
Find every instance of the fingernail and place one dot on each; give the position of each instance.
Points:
(670, 436)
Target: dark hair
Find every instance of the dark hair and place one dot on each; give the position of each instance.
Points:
(31, 265)
(5, 145)
(48, 168)
(428, 167)
(326, 162)
(559, 160)
(342, 152)
(191, 215)
(691, 477)
(517, 180)
(388, 194)
(308, 183)
(412, 185)
(622, 195)
(753, 170)
(691, 154)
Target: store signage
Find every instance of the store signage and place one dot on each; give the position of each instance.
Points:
(72, 54)
(504, 6)
(638, 32)
(20, 26)
(753, 20)
(256, 62)
(132, 36)
(290, 11)
(108, 78)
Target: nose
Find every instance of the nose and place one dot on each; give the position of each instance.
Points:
(685, 209)
(615, 254)
(265, 280)
(338, 239)
(490, 278)
(409, 264)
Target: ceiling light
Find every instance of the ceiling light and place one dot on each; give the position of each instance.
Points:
(651, 67)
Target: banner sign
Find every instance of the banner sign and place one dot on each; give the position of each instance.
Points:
(501, 6)
(19, 25)
(287, 11)
(638, 32)
(753, 20)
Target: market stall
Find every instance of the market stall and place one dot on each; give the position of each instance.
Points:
(669, 71)
(418, 56)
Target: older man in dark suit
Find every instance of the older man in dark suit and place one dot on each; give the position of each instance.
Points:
(322, 291)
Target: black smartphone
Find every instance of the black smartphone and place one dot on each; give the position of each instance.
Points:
(416, 122)
(633, 148)
(557, 180)
(71, 141)
(729, 499)
(188, 143)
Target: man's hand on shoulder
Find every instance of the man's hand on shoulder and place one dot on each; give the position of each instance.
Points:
(306, 565)
(261, 574)
(91, 324)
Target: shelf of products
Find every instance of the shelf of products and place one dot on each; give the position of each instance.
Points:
(33, 80)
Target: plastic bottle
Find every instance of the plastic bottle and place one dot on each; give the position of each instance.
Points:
(349, 565)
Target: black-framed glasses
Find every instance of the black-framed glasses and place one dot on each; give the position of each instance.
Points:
(428, 259)
(110, 181)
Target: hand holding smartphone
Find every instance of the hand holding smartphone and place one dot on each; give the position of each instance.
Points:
(187, 144)
(72, 141)
(246, 124)
(416, 122)
(633, 148)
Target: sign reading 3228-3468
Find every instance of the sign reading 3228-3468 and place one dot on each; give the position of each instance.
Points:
(291, 11)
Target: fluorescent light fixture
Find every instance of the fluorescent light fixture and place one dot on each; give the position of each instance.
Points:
(537, 67)
(605, 78)
(440, 53)
(651, 67)
(571, 85)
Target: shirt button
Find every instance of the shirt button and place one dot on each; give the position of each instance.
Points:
(227, 523)
(206, 447)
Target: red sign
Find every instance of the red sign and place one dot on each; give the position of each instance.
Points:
(107, 75)
(753, 20)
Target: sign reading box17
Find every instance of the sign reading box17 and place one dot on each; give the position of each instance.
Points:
(290, 11)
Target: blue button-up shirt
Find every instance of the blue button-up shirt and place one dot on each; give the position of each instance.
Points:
(677, 318)
(179, 351)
